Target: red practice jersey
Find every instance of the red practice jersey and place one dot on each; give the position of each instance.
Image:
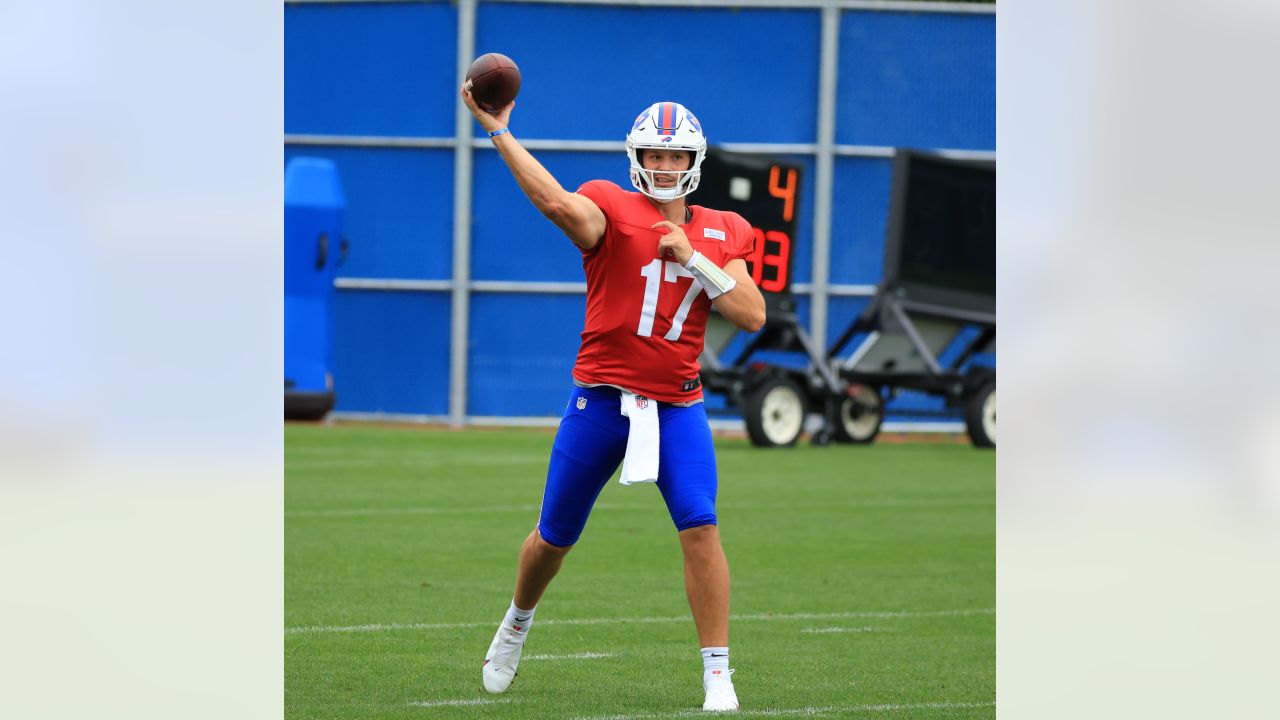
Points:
(646, 315)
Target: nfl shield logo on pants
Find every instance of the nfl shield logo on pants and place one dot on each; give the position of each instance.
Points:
(582, 403)
(642, 402)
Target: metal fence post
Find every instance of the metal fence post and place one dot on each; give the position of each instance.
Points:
(830, 54)
(460, 317)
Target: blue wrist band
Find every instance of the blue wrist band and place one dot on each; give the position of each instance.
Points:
(498, 132)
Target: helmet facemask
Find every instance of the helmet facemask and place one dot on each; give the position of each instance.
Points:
(645, 179)
(666, 126)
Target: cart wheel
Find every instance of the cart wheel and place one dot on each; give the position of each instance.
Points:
(860, 415)
(980, 415)
(775, 413)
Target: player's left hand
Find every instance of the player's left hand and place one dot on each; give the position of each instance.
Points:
(674, 243)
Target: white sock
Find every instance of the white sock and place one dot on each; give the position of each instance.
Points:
(520, 619)
(714, 658)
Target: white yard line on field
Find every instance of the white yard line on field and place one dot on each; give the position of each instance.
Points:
(376, 627)
(574, 656)
(866, 505)
(484, 509)
(450, 703)
(843, 630)
(841, 710)
(478, 510)
(361, 512)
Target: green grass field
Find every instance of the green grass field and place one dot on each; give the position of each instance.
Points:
(863, 582)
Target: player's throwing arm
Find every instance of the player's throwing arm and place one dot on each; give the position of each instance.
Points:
(579, 218)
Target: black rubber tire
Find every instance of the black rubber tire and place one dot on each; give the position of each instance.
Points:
(309, 406)
(980, 415)
(769, 412)
(846, 431)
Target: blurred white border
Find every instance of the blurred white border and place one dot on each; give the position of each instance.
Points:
(141, 311)
(1139, 469)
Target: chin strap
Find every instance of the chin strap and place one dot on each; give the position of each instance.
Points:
(712, 277)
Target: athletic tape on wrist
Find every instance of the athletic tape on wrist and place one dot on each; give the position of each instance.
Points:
(498, 132)
(713, 278)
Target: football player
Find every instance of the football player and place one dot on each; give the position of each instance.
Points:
(654, 266)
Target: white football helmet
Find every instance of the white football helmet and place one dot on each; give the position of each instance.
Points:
(666, 126)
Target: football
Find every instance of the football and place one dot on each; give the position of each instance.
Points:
(495, 81)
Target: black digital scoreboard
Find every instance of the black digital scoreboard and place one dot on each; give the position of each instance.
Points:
(940, 238)
(767, 193)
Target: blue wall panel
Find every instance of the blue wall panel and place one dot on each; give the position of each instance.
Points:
(917, 80)
(399, 210)
(511, 240)
(909, 404)
(370, 69)
(859, 211)
(391, 352)
(587, 71)
(523, 347)
(841, 312)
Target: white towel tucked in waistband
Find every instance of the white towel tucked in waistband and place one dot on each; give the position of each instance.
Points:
(641, 462)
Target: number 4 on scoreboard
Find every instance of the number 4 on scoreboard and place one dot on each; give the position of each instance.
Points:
(785, 193)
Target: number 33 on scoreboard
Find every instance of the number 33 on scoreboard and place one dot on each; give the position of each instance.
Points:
(773, 249)
(655, 273)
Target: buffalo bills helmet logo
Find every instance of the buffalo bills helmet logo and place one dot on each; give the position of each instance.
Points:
(693, 121)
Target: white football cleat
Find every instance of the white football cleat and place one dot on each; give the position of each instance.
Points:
(504, 655)
(720, 694)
